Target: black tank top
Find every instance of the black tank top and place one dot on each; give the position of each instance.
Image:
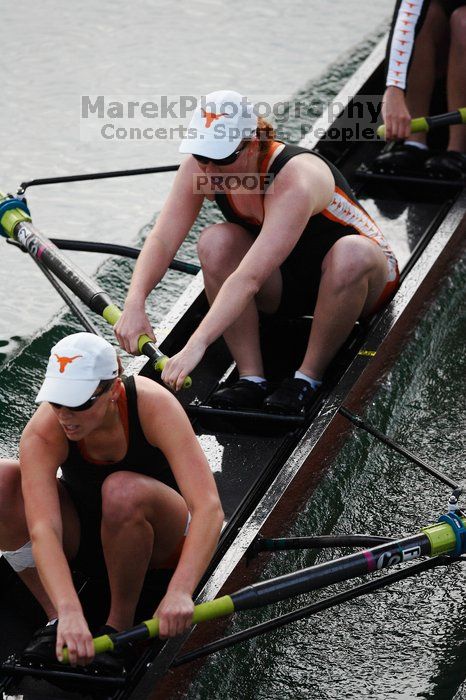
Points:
(85, 478)
(288, 152)
(342, 217)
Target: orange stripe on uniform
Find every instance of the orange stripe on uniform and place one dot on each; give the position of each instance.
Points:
(345, 211)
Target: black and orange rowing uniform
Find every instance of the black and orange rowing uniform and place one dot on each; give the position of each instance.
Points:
(344, 216)
(83, 477)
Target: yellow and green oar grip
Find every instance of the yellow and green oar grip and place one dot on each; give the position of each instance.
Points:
(145, 344)
(111, 314)
(211, 610)
(427, 123)
(417, 125)
(101, 644)
(159, 360)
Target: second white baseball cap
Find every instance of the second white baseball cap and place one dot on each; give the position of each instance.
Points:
(220, 122)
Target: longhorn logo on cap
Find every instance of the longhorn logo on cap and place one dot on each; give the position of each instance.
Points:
(211, 117)
(65, 361)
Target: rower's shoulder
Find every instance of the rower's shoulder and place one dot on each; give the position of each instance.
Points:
(190, 177)
(159, 411)
(43, 431)
(304, 174)
(43, 422)
(305, 163)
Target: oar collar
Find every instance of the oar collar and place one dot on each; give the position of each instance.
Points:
(7, 204)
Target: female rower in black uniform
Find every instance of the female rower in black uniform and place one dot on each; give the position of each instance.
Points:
(305, 246)
(136, 490)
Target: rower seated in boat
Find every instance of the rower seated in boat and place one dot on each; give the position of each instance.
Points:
(298, 244)
(136, 493)
(427, 40)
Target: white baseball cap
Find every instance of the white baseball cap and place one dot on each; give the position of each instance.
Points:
(77, 364)
(219, 123)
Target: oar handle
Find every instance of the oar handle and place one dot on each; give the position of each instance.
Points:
(145, 344)
(427, 123)
(211, 610)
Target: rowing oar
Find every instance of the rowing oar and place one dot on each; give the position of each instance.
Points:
(15, 224)
(448, 536)
(428, 123)
(95, 176)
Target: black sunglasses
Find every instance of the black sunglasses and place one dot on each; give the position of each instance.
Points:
(90, 402)
(221, 161)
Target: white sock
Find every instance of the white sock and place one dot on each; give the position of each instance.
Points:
(52, 622)
(254, 378)
(315, 383)
(422, 146)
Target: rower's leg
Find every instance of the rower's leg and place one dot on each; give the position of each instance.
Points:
(456, 85)
(143, 523)
(221, 248)
(14, 533)
(422, 72)
(354, 275)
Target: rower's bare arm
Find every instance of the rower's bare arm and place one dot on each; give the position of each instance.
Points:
(167, 426)
(42, 449)
(171, 228)
(301, 190)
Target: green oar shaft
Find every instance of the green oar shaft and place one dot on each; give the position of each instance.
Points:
(427, 123)
(15, 223)
(431, 541)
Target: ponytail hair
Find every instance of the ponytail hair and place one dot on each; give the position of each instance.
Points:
(265, 132)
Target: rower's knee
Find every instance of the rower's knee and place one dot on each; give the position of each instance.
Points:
(458, 27)
(350, 261)
(10, 491)
(121, 498)
(219, 246)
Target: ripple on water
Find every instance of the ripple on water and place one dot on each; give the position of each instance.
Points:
(406, 641)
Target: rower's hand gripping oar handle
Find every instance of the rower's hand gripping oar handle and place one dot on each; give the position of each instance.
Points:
(445, 537)
(145, 344)
(427, 123)
(211, 610)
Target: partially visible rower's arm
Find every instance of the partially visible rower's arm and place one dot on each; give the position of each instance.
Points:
(171, 228)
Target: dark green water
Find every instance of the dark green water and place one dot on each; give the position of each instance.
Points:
(404, 642)
(407, 641)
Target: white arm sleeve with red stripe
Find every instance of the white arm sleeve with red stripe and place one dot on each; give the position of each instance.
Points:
(408, 19)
